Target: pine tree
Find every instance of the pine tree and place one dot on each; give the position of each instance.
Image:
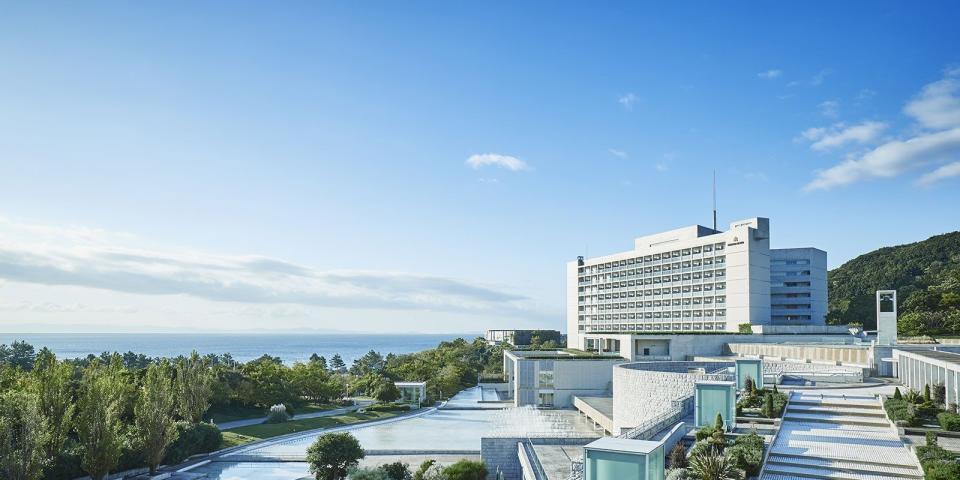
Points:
(896, 393)
(194, 387)
(718, 423)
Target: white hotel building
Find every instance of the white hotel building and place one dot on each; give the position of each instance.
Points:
(696, 279)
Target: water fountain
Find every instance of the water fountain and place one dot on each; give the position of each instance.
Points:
(529, 421)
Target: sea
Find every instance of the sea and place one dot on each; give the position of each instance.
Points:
(243, 347)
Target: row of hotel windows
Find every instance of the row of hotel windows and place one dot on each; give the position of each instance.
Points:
(791, 306)
(637, 316)
(789, 284)
(719, 273)
(707, 287)
(655, 303)
(656, 257)
(706, 262)
(802, 261)
(634, 327)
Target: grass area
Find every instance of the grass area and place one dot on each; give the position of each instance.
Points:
(233, 439)
(229, 414)
(267, 430)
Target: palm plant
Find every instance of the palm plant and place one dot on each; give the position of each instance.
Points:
(712, 465)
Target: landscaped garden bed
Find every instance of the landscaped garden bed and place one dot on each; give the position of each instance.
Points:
(761, 403)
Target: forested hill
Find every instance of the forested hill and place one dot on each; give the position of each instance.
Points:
(925, 274)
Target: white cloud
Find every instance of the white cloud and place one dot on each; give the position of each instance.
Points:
(627, 100)
(866, 94)
(890, 159)
(661, 167)
(770, 74)
(936, 108)
(938, 105)
(45, 256)
(829, 108)
(944, 172)
(617, 153)
(825, 138)
(508, 162)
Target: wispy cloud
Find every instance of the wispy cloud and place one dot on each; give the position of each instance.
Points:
(627, 100)
(936, 109)
(53, 259)
(820, 77)
(944, 172)
(508, 162)
(839, 134)
(866, 94)
(661, 167)
(829, 108)
(756, 176)
(617, 153)
(770, 74)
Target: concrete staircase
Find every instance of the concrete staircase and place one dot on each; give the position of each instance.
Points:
(836, 436)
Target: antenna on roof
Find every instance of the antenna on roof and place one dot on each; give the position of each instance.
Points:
(714, 200)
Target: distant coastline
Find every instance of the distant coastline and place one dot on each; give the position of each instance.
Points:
(245, 346)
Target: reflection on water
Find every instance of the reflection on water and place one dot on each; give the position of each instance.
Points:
(254, 471)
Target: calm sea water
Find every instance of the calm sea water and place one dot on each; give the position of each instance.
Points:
(243, 347)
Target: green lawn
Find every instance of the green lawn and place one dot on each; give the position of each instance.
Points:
(267, 430)
(232, 439)
(229, 414)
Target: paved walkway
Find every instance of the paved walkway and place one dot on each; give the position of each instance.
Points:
(323, 413)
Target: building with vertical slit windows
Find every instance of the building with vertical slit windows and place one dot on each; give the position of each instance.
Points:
(696, 279)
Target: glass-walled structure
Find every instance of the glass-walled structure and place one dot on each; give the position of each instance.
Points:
(611, 458)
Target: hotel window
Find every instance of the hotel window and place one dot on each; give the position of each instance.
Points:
(707, 248)
(718, 246)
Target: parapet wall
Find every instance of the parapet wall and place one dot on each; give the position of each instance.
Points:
(830, 354)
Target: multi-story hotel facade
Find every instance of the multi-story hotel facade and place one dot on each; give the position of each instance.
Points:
(695, 279)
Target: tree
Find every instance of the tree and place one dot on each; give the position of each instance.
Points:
(24, 436)
(712, 465)
(422, 470)
(52, 385)
(466, 470)
(926, 393)
(332, 454)
(19, 354)
(718, 422)
(336, 363)
(270, 382)
(98, 419)
(896, 393)
(386, 391)
(154, 423)
(320, 360)
(310, 380)
(396, 470)
(370, 362)
(194, 387)
(768, 409)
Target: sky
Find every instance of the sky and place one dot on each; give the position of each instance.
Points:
(431, 167)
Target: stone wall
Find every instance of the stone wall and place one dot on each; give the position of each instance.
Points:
(644, 390)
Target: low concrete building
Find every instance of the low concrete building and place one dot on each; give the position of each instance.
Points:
(918, 368)
(522, 338)
(550, 379)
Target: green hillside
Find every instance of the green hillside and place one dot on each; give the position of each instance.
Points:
(925, 274)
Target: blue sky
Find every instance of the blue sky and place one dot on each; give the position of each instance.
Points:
(234, 165)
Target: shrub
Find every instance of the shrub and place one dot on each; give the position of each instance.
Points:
(939, 393)
(700, 447)
(718, 422)
(933, 453)
(745, 458)
(423, 472)
(744, 328)
(901, 411)
(912, 396)
(466, 470)
(941, 470)
(896, 393)
(366, 473)
(193, 439)
(289, 408)
(768, 409)
(949, 421)
(931, 438)
(396, 470)
(678, 456)
(278, 414)
(387, 407)
(678, 474)
(750, 440)
(705, 433)
(926, 393)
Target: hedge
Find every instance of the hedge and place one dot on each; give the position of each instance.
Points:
(949, 421)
